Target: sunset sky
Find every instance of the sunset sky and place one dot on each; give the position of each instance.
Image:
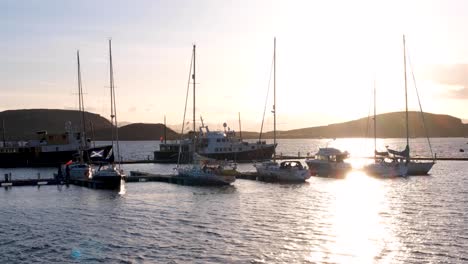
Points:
(328, 55)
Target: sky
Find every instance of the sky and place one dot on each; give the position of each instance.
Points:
(330, 54)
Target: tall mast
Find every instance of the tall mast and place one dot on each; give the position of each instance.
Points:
(274, 98)
(375, 122)
(240, 127)
(111, 85)
(193, 82)
(406, 95)
(165, 128)
(193, 79)
(113, 104)
(81, 108)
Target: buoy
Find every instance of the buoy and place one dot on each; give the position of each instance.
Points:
(462, 150)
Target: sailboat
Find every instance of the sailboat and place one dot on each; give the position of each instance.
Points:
(79, 169)
(383, 166)
(108, 173)
(414, 167)
(200, 172)
(286, 171)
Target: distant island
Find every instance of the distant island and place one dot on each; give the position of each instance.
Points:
(23, 124)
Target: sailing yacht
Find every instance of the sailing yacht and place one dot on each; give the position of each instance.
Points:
(108, 173)
(200, 172)
(286, 171)
(79, 169)
(382, 165)
(413, 167)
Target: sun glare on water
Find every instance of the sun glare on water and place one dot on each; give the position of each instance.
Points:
(357, 231)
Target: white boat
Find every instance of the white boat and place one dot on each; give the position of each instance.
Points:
(202, 171)
(387, 169)
(220, 145)
(329, 162)
(382, 166)
(286, 171)
(414, 167)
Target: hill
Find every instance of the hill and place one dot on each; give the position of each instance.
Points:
(389, 125)
(138, 131)
(23, 124)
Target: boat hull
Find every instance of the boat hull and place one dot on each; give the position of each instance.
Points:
(387, 169)
(271, 172)
(240, 156)
(35, 159)
(419, 168)
(328, 169)
(108, 182)
(196, 176)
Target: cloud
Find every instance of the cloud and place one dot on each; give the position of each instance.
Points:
(132, 109)
(455, 75)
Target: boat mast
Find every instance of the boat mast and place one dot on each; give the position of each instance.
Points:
(113, 105)
(165, 128)
(375, 123)
(406, 95)
(193, 82)
(274, 99)
(240, 127)
(81, 108)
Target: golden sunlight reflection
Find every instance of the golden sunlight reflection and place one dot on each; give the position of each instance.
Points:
(123, 190)
(357, 231)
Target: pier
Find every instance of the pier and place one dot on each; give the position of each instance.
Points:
(135, 176)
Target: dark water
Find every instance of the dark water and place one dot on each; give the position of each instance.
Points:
(356, 220)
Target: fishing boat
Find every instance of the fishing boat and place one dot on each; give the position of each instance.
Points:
(286, 171)
(199, 172)
(47, 150)
(329, 162)
(219, 145)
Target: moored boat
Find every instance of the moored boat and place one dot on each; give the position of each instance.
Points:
(286, 171)
(219, 145)
(200, 172)
(329, 162)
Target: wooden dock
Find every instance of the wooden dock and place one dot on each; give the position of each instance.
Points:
(29, 182)
(138, 176)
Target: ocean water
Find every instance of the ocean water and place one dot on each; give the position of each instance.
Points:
(359, 219)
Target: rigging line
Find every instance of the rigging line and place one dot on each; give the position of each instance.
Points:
(266, 101)
(420, 106)
(185, 110)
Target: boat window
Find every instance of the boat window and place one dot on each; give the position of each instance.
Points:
(218, 140)
(230, 149)
(253, 147)
(240, 149)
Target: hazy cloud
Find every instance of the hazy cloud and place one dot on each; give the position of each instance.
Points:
(452, 74)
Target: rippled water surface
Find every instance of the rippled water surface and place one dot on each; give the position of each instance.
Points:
(356, 220)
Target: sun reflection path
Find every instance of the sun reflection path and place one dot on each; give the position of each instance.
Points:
(357, 230)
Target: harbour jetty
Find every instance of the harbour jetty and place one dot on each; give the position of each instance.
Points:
(135, 176)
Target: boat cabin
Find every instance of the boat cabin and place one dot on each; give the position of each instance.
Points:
(331, 155)
(291, 164)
